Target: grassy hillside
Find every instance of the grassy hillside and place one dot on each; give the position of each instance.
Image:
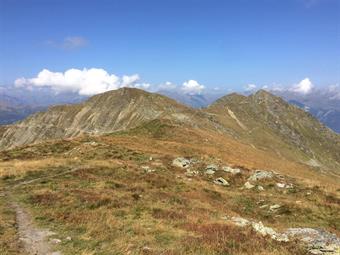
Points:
(120, 194)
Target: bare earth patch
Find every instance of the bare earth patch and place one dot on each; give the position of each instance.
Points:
(33, 239)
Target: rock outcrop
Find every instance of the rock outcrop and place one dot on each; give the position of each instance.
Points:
(317, 241)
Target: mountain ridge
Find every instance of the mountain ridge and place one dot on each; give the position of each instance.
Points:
(261, 119)
(271, 122)
(103, 113)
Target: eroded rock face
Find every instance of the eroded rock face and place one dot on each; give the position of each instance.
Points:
(112, 111)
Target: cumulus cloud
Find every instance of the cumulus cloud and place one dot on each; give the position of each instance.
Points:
(303, 87)
(95, 80)
(85, 82)
(250, 87)
(192, 87)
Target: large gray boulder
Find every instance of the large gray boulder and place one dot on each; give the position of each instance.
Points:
(260, 175)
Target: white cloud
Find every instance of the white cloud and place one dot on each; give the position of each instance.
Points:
(129, 80)
(303, 87)
(192, 87)
(166, 86)
(95, 80)
(73, 42)
(144, 86)
(68, 43)
(250, 87)
(334, 91)
(85, 82)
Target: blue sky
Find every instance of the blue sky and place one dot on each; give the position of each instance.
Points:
(219, 43)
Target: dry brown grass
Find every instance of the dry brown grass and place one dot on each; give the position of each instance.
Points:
(226, 149)
(21, 167)
(214, 238)
(109, 205)
(8, 235)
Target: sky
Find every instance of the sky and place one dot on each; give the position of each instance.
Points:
(92, 46)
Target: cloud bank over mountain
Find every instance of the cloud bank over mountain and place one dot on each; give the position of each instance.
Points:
(85, 82)
(74, 85)
(93, 81)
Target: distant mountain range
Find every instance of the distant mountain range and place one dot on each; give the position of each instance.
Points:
(16, 103)
(13, 109)
(323, 104)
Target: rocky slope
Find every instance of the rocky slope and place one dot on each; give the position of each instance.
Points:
(105, 113)
(330, 117)
(268, 122)
(324, 104)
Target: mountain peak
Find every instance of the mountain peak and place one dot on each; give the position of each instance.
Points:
(232, 97)
(263, 94)
(103, 113)
(125, 91)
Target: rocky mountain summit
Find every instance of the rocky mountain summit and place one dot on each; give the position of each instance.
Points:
(105, 113)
